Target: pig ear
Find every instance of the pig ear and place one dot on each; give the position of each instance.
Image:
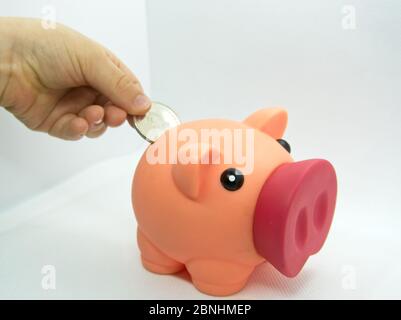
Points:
(272, 121)
(189, 177)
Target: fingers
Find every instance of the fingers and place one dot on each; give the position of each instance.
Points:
(114, 116)
(69, 127)
(99, 118)
(72, 102)
(94, 110)
(94, 115)
(89, 122)
(110, 77)
(75, 116)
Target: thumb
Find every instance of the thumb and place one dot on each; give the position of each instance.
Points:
(109, 76)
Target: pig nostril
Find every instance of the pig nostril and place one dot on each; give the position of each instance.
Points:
(320, 212)
(301, 229)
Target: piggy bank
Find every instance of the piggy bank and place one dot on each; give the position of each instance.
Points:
(220, 197)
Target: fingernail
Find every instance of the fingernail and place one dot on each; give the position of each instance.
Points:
(142, 103)
(98, 121)
(97, 127)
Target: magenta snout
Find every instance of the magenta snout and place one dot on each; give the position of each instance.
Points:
(294, 213)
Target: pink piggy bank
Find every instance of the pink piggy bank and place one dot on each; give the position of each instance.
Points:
(220, 197)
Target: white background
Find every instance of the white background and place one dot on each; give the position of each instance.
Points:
(220, 59)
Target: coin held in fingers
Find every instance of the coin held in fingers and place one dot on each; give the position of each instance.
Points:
(155, 122)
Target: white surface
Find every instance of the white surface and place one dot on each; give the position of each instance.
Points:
(86, 229)
(31, 162)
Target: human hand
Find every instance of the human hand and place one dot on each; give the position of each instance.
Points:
(63, 83)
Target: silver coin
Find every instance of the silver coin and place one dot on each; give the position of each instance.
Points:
(155, 122)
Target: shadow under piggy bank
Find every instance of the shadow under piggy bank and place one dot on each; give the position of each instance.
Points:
(268, 282)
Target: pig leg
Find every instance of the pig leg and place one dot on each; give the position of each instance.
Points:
(219, 278)
(153, 259)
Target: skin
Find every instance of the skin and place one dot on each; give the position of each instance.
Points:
(60, 82)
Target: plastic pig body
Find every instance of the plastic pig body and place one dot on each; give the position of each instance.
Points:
(219, 224)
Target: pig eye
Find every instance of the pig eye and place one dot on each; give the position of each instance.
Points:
(232, 179)
(285, 145)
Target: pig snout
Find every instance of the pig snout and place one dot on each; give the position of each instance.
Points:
(294, 212)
